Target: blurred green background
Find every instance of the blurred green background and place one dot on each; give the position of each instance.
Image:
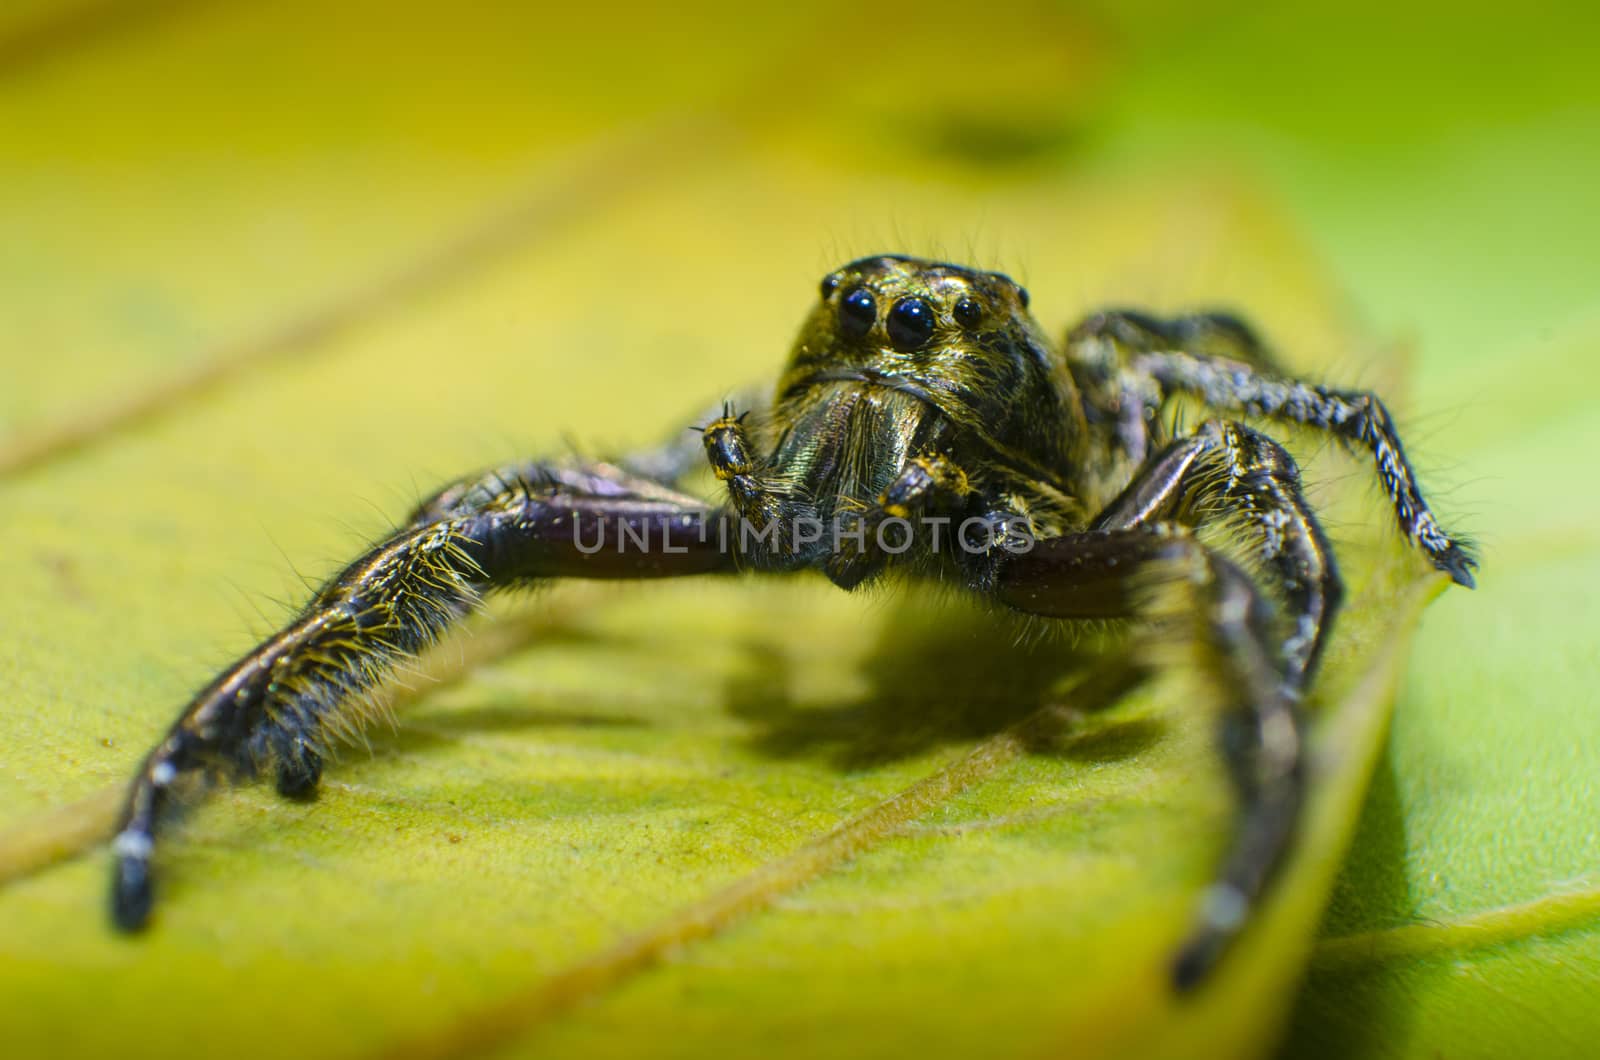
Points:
(266, 270)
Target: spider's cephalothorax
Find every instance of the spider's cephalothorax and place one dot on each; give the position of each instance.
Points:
(923, 424)
(915, 389)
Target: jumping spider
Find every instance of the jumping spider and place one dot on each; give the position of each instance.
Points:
(922, 393)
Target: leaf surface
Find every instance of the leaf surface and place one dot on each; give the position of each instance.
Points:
(274, 271)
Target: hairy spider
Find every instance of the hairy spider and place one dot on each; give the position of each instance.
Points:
(924, 424)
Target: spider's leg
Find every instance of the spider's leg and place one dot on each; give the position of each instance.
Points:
(1127, 363)
(283, 701)
(299, 766)
(1161, 571)
(596, 480)
(1122, 403)
(1229, 473)
(1210, 334)
(1358, 419)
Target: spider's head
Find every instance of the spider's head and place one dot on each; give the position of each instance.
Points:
(897, 314)
(945, 344)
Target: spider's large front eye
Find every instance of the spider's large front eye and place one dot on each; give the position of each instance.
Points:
(857, 313)
(910, 324)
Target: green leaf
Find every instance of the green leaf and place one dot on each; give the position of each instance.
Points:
(1467, 919)
(271, 272)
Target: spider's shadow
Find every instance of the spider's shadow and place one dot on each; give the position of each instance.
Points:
(945, 676)
(508, 715)
(952, 676)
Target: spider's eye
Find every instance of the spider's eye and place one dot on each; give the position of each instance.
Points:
(1022, 295)
(857, 313)
(830, 284)
(910, 324)
(969, 314)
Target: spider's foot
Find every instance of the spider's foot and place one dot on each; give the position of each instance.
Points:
(131, 892)
(298, 776)
(1458, 562)
(1194, 961)
(1222, 915)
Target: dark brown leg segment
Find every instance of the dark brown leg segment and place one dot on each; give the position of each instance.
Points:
(1229, 473)
(281, 703)
(1161, 571)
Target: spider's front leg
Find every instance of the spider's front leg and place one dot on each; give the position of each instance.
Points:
(280, 704)
(1260, 637)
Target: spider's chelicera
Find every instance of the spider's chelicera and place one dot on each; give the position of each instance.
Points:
(923, 425)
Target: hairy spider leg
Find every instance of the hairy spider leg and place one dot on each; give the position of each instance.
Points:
(283, 702)
(1128, 365)
(1266, 621)
(1232, 474)
(1217, 359)
(1122, 404)
(1161, 572)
